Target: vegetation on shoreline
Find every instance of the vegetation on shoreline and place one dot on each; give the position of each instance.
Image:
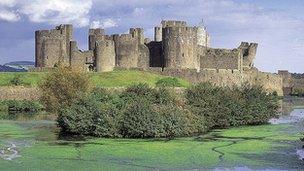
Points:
(144, 112)
(299, 92)
(20, 106)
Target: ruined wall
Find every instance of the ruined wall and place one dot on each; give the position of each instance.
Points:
(79, 59)
(248, 52)
(179, 48)
(219, 58)
(105, 55)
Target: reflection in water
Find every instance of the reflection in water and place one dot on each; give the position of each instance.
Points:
(295, 116)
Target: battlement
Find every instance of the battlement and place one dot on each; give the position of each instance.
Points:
(173, 23)
(168, 30)
(97, 31)
(49, 33)
(124, 37)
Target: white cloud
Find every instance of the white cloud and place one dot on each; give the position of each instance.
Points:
(106, 23)
(6, 11)
(7, 3)
(10, 16)
(58, 11)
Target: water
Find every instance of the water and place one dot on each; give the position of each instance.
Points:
(30, 142)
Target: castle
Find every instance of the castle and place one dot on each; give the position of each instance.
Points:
(177, 50)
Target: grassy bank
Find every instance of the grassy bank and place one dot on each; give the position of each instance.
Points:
(117, 78)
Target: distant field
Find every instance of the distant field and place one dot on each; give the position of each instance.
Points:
(117, 78)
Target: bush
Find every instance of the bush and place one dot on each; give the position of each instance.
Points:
(140, 120)
(3, 107)
(168, 82)
(138, 92)
(298, 92)
(21, 106)
(62, 86)
(224, 107)
(143, 112)
(89, 116)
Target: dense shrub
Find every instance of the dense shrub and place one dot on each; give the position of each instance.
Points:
(145, 93)
(168, 82)
(224, 107)
(298, 92)
(3, 107)
(143, 112)
(140, 120)
(62, 86)
(21, 106)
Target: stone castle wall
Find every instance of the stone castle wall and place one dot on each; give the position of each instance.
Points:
(220, 59)
(291, 81)
(226, 77)
(177, 50)
(53, 46)
(127, 51)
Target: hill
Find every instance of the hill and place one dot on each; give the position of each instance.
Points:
(22, 65)
(116, 78)
(4, 68)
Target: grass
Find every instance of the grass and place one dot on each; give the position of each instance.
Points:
(48, 153)
(116, 78)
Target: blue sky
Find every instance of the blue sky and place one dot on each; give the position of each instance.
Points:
(277, 25)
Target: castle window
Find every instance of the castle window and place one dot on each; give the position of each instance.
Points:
(183, 55)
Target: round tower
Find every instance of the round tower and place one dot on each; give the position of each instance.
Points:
(104, 55)
(203, 38)
(180, 47)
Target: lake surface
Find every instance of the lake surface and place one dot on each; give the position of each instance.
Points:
(31, 142)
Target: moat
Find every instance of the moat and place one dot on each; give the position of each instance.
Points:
(30, 142)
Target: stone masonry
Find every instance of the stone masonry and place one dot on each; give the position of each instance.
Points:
(177, 50)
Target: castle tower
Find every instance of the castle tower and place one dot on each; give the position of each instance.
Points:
(139, 34)
(127, 50)
(158, 37)
(93, 36)
(67, 29)
(53, 46)
(104, 55)
(180, 47)
(203, 37)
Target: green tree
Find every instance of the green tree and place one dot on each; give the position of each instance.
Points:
(61, 86)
